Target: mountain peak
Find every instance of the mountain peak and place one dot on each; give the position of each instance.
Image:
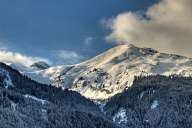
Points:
(40, 65)
(128, 46)
(132, 47)
(120, 53)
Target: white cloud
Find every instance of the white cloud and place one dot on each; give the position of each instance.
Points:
(68, 57)
(88, 40)
(7, 56)
(165, 26)
(13, 57)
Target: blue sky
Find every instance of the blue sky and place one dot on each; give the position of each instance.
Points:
(52, 28)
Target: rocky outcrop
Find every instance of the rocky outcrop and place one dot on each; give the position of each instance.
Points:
(40, 65)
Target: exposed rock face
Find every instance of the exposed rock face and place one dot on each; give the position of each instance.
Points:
(29, 104)
(154, 102)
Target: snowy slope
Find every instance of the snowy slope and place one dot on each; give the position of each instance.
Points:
(113, 71)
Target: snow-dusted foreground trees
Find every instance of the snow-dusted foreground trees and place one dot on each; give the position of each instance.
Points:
(154, 102)
(29, 104)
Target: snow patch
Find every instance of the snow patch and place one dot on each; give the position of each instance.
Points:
(121, 116)
(13, 106)
(141, 95)
(101, 105)
(7, 82)
(155, 104)
(36, 99)
(44, 114)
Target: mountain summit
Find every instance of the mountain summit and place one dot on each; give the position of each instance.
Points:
(113, 71)
(40, 65)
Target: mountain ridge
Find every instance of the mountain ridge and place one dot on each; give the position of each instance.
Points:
(113, 71)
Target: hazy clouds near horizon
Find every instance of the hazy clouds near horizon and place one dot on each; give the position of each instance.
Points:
(166, 26)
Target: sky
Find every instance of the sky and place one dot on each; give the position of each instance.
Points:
(71, 31)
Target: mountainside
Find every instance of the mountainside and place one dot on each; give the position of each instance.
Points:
(153, 102)
(26, 103)
(137, 85)
(113, 71)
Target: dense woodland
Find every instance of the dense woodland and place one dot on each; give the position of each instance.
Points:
(155, 102)
(28, 104)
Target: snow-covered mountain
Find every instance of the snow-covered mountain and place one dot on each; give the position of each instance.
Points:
(112, 71)
(152, 101)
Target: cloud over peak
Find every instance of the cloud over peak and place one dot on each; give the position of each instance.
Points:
(14, 57)
(56, 56)
(67, 57)
(165, 26)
